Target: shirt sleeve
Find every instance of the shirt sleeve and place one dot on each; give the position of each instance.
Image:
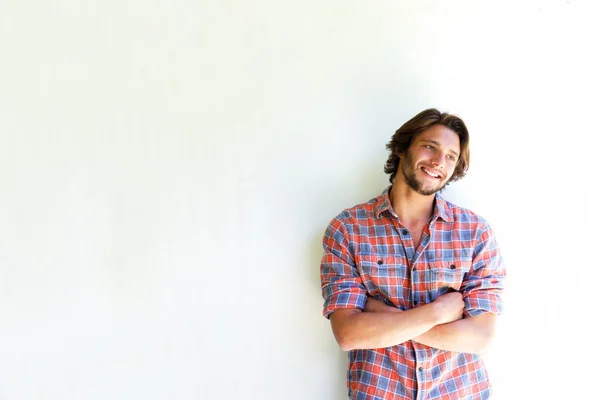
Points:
(483, 286)
(341, 284)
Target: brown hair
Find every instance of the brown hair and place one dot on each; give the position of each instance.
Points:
(426, 119)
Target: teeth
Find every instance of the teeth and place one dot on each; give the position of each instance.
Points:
(429, 173)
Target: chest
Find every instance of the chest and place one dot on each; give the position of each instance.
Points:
(410, 266)
(416, 233)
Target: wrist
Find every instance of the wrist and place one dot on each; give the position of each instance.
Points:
(437, 314)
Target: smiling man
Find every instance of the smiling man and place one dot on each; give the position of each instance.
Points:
(412, 283)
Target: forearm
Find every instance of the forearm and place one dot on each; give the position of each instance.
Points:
(468, 335)
(354, 329)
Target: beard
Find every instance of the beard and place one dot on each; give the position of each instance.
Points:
(410, 176)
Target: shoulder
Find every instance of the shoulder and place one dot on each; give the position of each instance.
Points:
(349, 220)
(465, 217)
(359, 212)
(351, 225)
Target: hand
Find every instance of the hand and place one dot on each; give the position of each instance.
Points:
(449, 307)
(374, 305)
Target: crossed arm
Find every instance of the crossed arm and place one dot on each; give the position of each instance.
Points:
(436, 324)
(439, 324)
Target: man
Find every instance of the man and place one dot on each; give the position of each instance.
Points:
(412, 283)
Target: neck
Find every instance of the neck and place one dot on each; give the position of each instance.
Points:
(410, 206)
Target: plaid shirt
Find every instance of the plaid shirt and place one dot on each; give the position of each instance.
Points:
(369, 252)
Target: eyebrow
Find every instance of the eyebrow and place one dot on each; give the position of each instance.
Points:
(438, 144)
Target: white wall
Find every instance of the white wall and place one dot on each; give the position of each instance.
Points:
(167, 170)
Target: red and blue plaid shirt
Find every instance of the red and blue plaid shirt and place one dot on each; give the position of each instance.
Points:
(369, 253)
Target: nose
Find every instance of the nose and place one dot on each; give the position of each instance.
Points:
(437, 159)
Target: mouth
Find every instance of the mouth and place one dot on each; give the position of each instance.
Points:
(431, 173)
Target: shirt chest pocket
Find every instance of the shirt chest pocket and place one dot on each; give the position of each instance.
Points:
(385, 276)
(446, 276)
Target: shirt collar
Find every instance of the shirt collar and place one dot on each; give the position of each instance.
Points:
(383, 203)
(440, 210)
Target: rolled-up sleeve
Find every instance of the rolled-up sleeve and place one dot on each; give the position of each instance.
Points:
(341, 284)
(483, 286)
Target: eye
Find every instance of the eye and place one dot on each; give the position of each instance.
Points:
(430, 147)
(451, 158)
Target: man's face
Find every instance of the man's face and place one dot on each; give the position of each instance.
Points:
(429, 162)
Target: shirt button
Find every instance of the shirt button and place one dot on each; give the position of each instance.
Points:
(452, 266)
(404, 232)
(379, 262)
(420, 369)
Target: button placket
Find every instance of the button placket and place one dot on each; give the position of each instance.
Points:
(406, 241)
